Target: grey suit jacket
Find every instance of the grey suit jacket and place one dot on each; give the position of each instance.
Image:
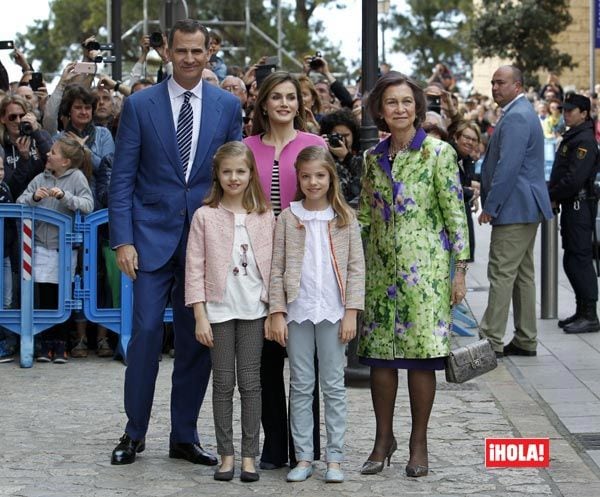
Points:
(513, 188)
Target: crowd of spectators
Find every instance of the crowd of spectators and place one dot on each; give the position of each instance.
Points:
(86, 107)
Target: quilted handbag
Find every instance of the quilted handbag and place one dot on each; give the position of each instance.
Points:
(470, 361)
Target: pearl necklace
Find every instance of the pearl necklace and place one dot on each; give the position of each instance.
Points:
(393, 151)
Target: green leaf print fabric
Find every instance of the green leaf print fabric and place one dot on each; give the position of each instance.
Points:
(413, 220)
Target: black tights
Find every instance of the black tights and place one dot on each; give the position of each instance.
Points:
(421, 389)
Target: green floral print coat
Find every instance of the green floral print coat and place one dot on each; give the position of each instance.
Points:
(413, 221)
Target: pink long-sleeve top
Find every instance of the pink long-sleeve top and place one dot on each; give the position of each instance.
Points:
(209, 248)
(264, 155)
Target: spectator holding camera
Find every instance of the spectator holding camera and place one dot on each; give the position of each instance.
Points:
(158, 42)
(340, 130)
(327, 85)
(25, 143)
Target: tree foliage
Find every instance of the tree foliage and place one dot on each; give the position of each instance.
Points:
(434, 31)
(50, 41)
(523, 33)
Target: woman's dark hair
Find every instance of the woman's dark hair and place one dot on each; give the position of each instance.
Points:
(394, 78)
(73, 93)
(343, 117)
(260, 121)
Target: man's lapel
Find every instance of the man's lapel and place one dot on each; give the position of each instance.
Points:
(161, 116)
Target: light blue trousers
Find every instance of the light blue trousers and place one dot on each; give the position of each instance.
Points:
(302, 340)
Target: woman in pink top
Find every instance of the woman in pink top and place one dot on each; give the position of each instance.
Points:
(278, 137)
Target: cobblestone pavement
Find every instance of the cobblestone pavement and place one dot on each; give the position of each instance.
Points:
(60, 423)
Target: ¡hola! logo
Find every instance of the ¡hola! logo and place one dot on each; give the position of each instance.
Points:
(517, 452)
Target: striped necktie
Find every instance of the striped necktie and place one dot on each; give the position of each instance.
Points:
(185, 126)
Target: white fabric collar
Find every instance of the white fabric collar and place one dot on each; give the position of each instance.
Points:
(303, 214)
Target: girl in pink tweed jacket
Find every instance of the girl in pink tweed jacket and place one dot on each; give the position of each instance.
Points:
(317, 288)
(228, 264)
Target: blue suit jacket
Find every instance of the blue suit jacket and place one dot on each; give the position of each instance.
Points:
(513, 188)
(149, 199)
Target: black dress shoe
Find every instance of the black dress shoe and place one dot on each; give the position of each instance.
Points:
(193, 453)
(125, 452)
(249, 476)
(512, 349)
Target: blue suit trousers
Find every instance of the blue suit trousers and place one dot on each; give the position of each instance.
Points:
(192, 366)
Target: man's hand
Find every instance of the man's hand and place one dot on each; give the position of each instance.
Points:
(127, 260)
(484, 218)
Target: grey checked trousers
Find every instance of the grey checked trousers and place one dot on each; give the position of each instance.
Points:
(237, 349)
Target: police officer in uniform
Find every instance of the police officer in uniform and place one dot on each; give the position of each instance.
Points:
(571, 187)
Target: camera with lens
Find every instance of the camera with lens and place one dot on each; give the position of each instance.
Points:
(434, 103)
(25, 128)
(314, 62)
(335, 139)
(156, 39)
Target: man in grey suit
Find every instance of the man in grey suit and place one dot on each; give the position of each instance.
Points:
(514, 201)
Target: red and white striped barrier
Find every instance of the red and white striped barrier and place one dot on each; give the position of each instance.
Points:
(27, 252)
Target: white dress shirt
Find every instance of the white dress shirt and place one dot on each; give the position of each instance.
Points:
(176, 93)
(319, 296)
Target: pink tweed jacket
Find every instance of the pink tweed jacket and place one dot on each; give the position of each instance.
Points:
(209, 248)
(288, 253)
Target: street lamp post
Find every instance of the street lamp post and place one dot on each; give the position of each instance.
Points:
(356, 374)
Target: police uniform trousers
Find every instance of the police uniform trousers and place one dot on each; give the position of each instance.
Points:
(577, 221)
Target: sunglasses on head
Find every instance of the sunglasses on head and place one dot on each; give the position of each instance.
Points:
(13, 117)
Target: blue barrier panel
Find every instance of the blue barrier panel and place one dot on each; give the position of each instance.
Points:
(28, 321)
(120, 319)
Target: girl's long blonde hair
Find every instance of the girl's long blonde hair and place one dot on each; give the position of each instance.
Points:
(254, 199)
(344, 212)
(79, 155)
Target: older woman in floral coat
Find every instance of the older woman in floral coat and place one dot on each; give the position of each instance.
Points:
(413, 219)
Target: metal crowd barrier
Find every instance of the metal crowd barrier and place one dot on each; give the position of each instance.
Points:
(80, 294)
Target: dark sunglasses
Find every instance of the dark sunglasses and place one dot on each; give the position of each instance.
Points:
(13, 117)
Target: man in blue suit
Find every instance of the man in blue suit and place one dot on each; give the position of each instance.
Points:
(514, 200)
(167, 137)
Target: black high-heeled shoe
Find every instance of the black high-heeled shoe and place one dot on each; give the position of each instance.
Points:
(373, 467)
